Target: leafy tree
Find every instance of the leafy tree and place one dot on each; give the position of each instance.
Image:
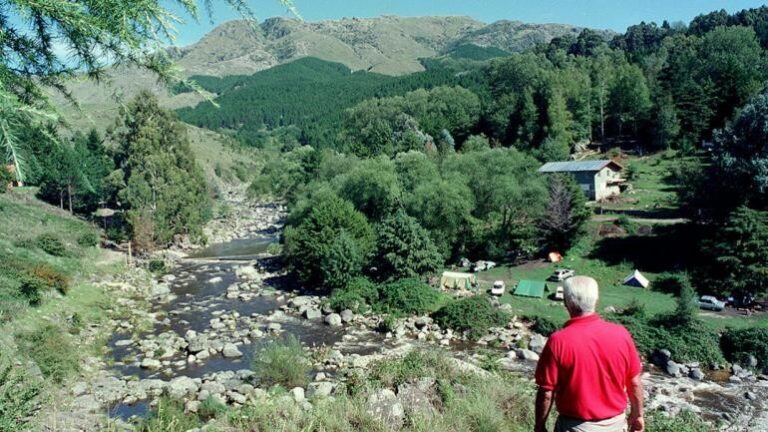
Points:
(372, 186)
(566, 213)
(404, 248)
(284, 176)
(414, 168)
(739, 264)
(476, 143)
(330, 243)
(444, 208)
(46, 43)
(165, 189)
(629, 98)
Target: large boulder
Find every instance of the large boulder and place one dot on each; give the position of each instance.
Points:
(333, 319)
(384, 406)
(313, 313)
(527, 355)
(151, 364)
(181, 387)
(417, 397)
(247, 272)
(537, 343)
(230, 350)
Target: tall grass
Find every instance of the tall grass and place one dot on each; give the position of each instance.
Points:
(18, 394)
(282, 362)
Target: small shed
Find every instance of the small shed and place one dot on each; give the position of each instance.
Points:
(457, 280)
(599, 179)
(531, 288)
(636, 279)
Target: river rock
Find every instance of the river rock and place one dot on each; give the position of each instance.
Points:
(159, 289)
(320, 389)
(527, 355)
(347, 315)
(298, 394)
(673, 369)
(181, 387)
(151, 364)
(197, 344)
(247, 272)
(333, 319)
(417, 397)
(230, 350)
(696, 374)
(385, 406)
(313, 313)
(537, 343)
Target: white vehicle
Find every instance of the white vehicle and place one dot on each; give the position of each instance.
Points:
(562, 274)
(498, 288)
(711, 303)
(559, 295)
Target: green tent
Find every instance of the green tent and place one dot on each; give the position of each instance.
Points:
(531, 288)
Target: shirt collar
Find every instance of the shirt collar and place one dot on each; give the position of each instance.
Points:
(584, 319)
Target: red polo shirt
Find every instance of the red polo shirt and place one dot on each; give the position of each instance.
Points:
(589, 365)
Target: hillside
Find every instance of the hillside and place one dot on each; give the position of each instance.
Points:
(388, 45)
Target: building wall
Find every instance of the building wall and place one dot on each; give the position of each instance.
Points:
(602, 189)
(586, 180)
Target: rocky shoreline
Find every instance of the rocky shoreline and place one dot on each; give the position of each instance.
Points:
(175, 359)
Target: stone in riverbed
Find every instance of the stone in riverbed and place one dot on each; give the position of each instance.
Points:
(320, 389)
(230, 350)
(347, 315)
(333, 319)
(298, 394)
(313, 313)
(527, 355)
(151, 364)
(181, 387)
(537, 343)
(385, 406)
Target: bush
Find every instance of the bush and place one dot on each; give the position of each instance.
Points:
(409, 296)
(358, 294)
(51, 349)
(51, 245)
(414, 365)
(50, 277)
(88, 239)
(627, 224)
(738, 344)
(211, 408)
(473, 314)
(18, 394)
(282, 362)
(544, 326)
(671, 283)
(685, 421)
(32, 289)
(169, 416)
(156, 266)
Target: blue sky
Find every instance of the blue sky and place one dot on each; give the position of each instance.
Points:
(610, 14)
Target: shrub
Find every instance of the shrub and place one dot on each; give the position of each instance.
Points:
(18, 394)
(671, 283)
(211, 408)
(51, 245)
(169, 416)
(5, 179)
(414, 365)
(52, 350)
(51, 277)
(32, 289)
(627, 224)
(473, 314)
(282, 362)
(358, 294)
(685, 421)
(156, 266)
(544, 326)
(738, 344)
(409, 296)
(88, 239)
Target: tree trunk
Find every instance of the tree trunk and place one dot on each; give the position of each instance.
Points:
(69, 195)
(61, 199)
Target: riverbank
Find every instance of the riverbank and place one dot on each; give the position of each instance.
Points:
(192, 334)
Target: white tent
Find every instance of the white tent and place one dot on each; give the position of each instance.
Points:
(636, 279)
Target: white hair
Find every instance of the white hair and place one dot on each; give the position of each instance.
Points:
(580, 293)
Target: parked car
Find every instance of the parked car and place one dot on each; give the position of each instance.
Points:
(498, 288)
(562, 274)
(711, 303)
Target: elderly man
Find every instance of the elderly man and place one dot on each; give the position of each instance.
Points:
(590, 368)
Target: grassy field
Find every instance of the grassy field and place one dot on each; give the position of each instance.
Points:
(609, 261)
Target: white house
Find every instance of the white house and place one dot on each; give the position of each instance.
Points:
(599, 179)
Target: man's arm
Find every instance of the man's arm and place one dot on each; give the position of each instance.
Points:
(635, 390)
(543, 407)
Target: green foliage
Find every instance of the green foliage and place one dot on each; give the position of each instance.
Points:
(408, 297)
(404, 248)
(165, 189)
(169, 415)
(672, 283)
(19, 395)
(372, 187)
(738, 344)
(282, 362)
(685, 421)
(6, 178)
(50, 277)
(156, 266)
(285, 176)
(51, 349)
(475, 143)
(330, 245)
(627, 224)
(51, 244)
(359, 294)
(211, 408)
(544, 326)
(89, 239)
(414, 365)
(474, 315)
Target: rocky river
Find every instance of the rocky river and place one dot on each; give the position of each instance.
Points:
(208, 315)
